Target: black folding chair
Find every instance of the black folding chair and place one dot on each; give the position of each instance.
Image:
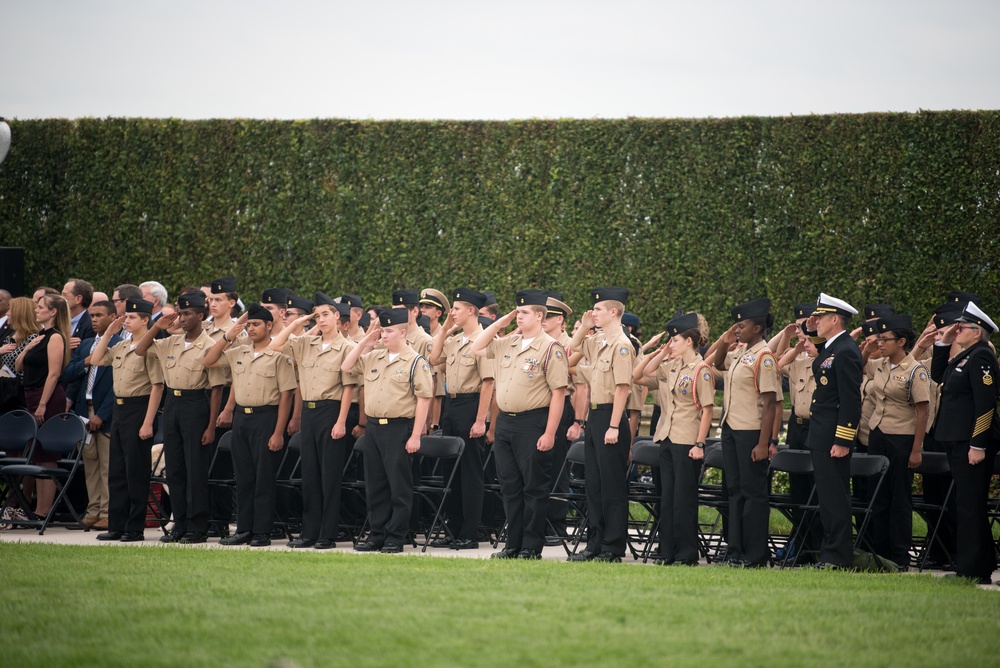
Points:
(157, 504)
(435, 488)
(868, 468)
(494, 521)
(575, 498)
(713, 495)
(800, 514)
(932, 464)
(643, 526)
(62, 435)
(353, 492)
(225, 481)
(18, 429)
(288, 481)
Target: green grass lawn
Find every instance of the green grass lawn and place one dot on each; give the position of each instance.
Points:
(112, 606)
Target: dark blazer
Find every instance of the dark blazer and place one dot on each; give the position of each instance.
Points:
(836, 403)
(75, 376)
(6, 331)
(162, 334)
(84, 328)
(968, 394)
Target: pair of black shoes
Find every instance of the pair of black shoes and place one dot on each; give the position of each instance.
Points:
(456, 544)
(589, 555)
(186, 538)
(122, 536)
(374, 546)
(511, 553)
(319, 544)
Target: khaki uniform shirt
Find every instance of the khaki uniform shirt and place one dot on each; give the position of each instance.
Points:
(181, 364)
(260, 380)
(564, 340)
(750, 372)
(216, 334)
(897, 391)
(320, 377)
(611, 360)
(867, 401)
(464, 371)
(683, 389)
(635, 396)
(524, 378)
(357, 336)
(132, 375)
(388, 393)
(801, 384)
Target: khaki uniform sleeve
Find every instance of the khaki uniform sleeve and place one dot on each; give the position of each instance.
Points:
(705, 386)
(920, 386)
(423, 381)
(767, 375)
(557, 375)
(285, 372)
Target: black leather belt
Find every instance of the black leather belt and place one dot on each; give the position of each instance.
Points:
(464, 395)
(185, 393)
(533, 411)
(395, 420)
(319, 403)
(121, 401)
(601, 407)
(251, 410)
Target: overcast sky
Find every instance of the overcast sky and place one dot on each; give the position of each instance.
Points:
(494, 60)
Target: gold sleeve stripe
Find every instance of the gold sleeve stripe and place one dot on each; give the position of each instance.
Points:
(845, 433)
(983, 424)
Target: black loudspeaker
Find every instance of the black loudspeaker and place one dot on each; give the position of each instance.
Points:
(12, 270)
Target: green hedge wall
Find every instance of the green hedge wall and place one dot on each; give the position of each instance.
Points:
(689, 214)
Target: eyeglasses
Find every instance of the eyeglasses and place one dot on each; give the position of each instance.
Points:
(886, 339)
(115, 301)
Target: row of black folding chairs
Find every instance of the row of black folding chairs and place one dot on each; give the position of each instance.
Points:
(62, 437)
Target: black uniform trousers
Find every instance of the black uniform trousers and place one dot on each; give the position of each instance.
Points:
(464, 505)
(558, 508)
(975, 555)
(892, 509)
(129, 463)
(256, 468)
(679, 475)
(185, 419)
(525, 477)
(389, 476)
(604, 480)
(833, 491)
(746, 487)
(800, 485)
(323, 461)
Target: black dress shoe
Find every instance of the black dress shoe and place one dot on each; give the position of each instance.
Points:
(391, 548)
(110, 535)
(324, 544)
(531, 555)
(586, 555)
(441, 542)
(260, 540)
(193, 538)
(465, 544)
(239, 538)
(368, 546)
(132, 537)
(172, 537)
(301, 543)
(608, 557)
(506, 553)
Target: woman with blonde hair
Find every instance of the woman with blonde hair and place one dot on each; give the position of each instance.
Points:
(21, 317)
(42, 362)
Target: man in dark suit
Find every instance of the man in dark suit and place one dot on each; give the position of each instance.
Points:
(5, 328)
(836, 412)
(94, 401)
(79, 294)
(965, 427)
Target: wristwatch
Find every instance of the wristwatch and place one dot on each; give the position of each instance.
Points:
(700, 444)
(582, 423)
(773, 442)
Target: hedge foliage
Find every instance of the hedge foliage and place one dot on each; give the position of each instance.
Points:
(689, 214)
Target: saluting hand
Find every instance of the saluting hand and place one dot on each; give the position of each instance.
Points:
(587, 319)
(237, 328)
(653, 341)
(116, 326)
(165, 321)
(507, 318)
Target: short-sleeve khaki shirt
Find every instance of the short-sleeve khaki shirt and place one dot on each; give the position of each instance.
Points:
(320, 377)
(611, 359)
(464, 371)
(258, 378)
(750, 373)
(897, 391)
(181, 362)
(388, 393)
(801, 384)
(132, 375)
(526, 378)
(684, 389)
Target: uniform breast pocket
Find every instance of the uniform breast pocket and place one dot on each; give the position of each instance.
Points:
(506, 361)
(372, 375)
(239, 368)
(401, 376)
(169, 363)
(604, 365)
(307, 363)
(194, 366)
(467, 361)
(117, 362)
(135, 363)
(330, 370)
(265, 371)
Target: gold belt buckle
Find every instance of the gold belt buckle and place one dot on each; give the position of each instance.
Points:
(453, 396)
(383, 421)
(248, 410)
(120, 402)
(310, 404)
(177, 393)
(593, 407)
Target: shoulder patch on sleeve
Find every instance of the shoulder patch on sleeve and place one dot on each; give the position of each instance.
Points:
(768, 362)
(707, 375)
(559, 354)
(923, 376)
(623, 351)
(426, 367)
